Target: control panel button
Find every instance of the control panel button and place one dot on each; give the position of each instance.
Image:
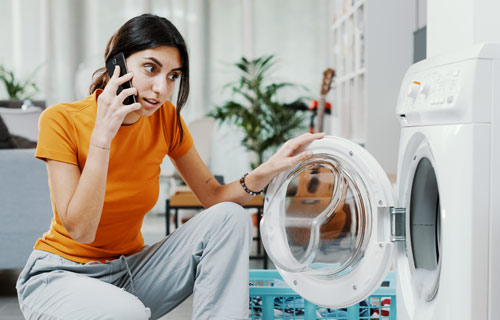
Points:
(414, 89)
(425, 89)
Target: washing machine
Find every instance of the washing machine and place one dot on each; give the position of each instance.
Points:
(334, 225)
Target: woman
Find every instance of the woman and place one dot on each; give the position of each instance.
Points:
(103, 160)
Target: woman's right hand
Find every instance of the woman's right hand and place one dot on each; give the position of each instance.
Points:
(110, 109)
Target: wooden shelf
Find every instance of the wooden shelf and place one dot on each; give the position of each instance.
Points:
(370, 49)
(349, 76)
(347, 13)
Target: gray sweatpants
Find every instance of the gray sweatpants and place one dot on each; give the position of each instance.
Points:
(207, 256)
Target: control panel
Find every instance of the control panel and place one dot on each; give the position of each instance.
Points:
(433, 89)
(447, 91)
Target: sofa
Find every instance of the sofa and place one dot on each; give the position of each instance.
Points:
(25, 207)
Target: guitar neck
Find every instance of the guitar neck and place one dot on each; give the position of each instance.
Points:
(325, 87)
(320, 113)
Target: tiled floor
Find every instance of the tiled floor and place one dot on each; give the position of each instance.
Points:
(153, 230)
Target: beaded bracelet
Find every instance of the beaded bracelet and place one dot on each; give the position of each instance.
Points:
(242, 182)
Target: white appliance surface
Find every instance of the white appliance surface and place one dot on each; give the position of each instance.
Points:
(448, 185)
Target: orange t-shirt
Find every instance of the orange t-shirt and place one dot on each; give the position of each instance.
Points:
(132, 185)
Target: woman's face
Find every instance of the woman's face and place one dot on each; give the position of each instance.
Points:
(155, 73)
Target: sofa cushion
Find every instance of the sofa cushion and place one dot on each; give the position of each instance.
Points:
(8, 141)
(5, 139)
(22, 122)
(22, 142)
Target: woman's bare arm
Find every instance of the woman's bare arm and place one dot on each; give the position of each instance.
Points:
(210, 192)
(79, 197)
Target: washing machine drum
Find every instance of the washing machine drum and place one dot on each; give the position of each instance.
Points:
(324, 225)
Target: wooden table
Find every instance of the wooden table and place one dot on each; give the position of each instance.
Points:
(184, 198)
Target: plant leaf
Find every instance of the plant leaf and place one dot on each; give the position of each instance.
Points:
(266, 122)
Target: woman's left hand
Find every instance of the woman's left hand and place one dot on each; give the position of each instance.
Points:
(285, 158)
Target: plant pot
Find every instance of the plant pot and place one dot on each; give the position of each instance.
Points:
(18, 103)
(11, 103)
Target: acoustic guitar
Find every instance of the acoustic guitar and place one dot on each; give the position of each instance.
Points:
(326, 85)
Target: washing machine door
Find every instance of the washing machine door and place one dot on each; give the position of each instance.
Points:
(326, 224)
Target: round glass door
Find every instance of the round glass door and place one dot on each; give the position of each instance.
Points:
(322, 224)
(422, 253)
(325, 216)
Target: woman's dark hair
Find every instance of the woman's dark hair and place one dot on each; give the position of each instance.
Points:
(145, 32)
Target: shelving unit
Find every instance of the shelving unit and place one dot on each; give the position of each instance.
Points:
(370, 49)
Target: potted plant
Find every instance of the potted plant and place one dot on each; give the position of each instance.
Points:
(257, 111)
(17, 91)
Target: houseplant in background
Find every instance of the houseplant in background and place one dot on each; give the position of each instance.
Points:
(255, 108)
(17, 91)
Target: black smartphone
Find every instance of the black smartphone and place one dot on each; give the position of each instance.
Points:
(119, 59)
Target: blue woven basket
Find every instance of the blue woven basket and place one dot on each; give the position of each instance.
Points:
(270, 298)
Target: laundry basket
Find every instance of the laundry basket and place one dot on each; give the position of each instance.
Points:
(271, 298)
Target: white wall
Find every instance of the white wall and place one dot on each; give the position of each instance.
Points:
(421, 10)
(67, 39)
(5, 33)
(21, 41)
(455, 24)
(389, 55)
(290, 29)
